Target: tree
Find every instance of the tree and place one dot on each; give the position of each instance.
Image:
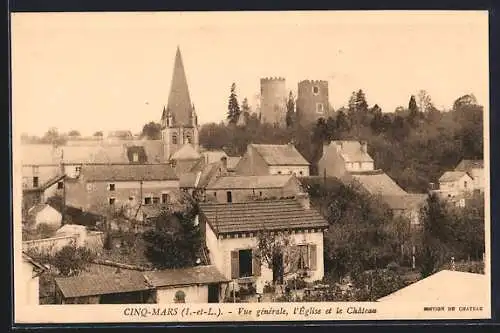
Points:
(151, 131)
(290, 110)
(413, 110)
(99, 134)
(72, 260)
(424, 101)
(233, 107)
(53, 137)
(74, 133)
(175, 242)
(245, 110)
(464, 101)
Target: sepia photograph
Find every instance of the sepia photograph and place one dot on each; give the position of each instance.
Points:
(250, 166)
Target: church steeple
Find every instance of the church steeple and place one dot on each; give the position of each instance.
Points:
(179, 101)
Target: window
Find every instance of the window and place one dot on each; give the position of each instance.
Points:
(319, 108)
(279, 172)
(60, 185)
(165, 198)
(89, 187)
(111, 201)
(260, 194)
(465, 184)
(307, 257)
(78, 169)
(111, 187)
(135, 157)
(35, 181)
(215, 194)
(131, 198)
(315, 90)
(174, 138)
(147, 200)
(245, 263)
(229, 197)
(300, 173)
(188, 138)
(156, 200)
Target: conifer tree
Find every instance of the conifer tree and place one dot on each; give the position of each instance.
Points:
(290, 110)
(233, 108)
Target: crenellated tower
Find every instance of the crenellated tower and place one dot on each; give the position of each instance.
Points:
(273, 98)
(179, 121)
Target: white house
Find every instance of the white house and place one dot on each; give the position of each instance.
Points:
(455, 183)
(231, 234)
(44, 214)
(475, 169)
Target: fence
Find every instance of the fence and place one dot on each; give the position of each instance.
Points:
(94, 240)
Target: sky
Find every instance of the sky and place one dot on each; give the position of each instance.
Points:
(112, 71)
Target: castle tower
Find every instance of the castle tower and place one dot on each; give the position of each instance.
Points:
(273, 97)
(179, 120)
(312, 101)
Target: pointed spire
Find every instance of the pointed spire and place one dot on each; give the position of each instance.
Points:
(179, 101)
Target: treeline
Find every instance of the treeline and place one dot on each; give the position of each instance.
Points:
(414, 144)
(365, 235)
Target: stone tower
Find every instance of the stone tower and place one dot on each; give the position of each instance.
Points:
(179, 121)
(273, 97)
(312, 101)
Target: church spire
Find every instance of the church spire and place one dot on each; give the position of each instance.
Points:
(179, 101)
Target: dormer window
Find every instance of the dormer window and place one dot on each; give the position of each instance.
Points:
(315, 90)
(135, 157)
(319, 108)
(111, 187)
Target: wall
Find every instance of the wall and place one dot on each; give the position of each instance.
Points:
(359, 166)
(194, 294)
(299, 170)
(307, 100)
(95, 196)
(43, 172)
(92, 240)
(458, 185)
(331, 162)
(28, 291)
(220, 253)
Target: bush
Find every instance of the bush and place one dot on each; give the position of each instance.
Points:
(71, 260)
(296, 283)
(269, 289)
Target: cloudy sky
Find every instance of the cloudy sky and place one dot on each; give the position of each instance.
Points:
(108, 71)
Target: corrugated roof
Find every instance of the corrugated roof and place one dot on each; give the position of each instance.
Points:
(451, 176)
(259, 215)
(467, 165)
(103, 283)
(352, 151)
(378, 184)
(444, 287)
(128, 172)
(280, 154)
(249, 182)
(183, 276)
(405, 202)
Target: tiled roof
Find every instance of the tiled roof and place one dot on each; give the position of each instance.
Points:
(232, 161)
(186, 152)
(352, 151)
(467, 165)
(280, 154)
(183, 276)
(451, 176)
(96, 153)
(249, 182)
(128, 172)
(405, 202)
(259, 215)
(188, 180)
(101, 284)
(378, 184)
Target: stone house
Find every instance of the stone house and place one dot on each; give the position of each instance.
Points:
(231, 233)
(115, 185)
(475, 169)
(342, 157)
(264, 159)
(453, 183)
(248, 188)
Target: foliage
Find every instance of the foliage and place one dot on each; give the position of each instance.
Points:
(99, 133)
(233, 108)
(74, 133)
(71, 260)
(151, 131)
(44, 230)
(274, 244)
(175, 242)
(375, 284)
(290, 110)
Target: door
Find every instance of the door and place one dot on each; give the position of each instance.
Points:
(278, 268)
(213, 293)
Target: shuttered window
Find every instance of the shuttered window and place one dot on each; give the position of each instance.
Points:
(256, 262)
(306, 257)
(235, 264)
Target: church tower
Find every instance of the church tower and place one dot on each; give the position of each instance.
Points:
(179, 123)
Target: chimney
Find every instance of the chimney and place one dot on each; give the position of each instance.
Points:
(224, 164)
(364, 146)
(303, 199)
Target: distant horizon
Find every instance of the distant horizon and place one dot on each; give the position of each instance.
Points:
(85, 71)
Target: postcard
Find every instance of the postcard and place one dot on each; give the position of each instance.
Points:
(250, 166)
